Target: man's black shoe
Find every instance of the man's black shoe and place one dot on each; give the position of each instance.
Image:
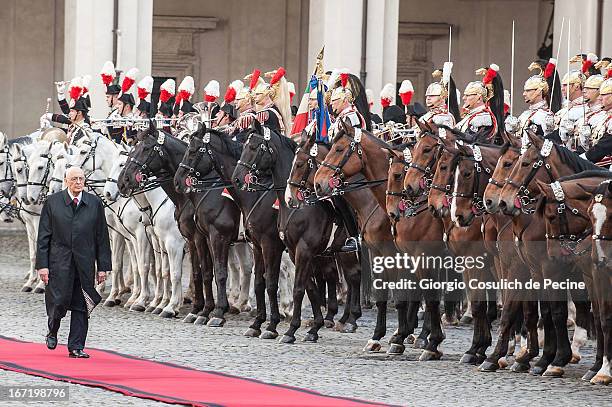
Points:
(51, 341)
(78, 353)
(350, 245)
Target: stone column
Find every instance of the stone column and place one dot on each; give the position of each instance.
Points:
(381, 49)
(88, 43)
(136, 28)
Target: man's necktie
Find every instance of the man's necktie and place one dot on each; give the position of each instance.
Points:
(75, 203)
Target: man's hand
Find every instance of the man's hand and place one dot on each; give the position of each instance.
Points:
(101, 277)
(44, 275)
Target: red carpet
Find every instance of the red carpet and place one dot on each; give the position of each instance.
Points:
(159, 381)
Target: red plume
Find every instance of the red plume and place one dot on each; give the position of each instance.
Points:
(209, 98)
(75, 92)
(491, 73)
(230, 94)
(344, 79)
(586, 64)
(385, 102)
(254, 79)
(142, 93)
(127, 84)
(406, 98)
(609, 74)
(164, 95)
(107, 79)
(280, 72)
(550, 68)
(177, 100)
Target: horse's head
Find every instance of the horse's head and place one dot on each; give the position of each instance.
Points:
(443, 179)
(344, 160)
(520, 191)
(600, 213)
(197, 161)
(62, 162)
(5, 210)
(420, 172)
(145, 160)
(564, 207)
(7, 181)
(396, 201)
(19, 163)
(308, 158)
(41, 164)
(509, 155)
(259, 156)
(111, 186)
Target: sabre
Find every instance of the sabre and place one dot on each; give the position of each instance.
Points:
(569, 36)
(581, 87)
(450, 41)
(512, 75)
(552, 92)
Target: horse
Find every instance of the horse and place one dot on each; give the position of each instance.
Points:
(357, 151)
(543, 160)
(306, 240)
(599, 214)
(564, 208)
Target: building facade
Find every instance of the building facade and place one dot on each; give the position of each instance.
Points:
(380, 40)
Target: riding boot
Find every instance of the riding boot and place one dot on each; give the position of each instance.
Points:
(350, 223)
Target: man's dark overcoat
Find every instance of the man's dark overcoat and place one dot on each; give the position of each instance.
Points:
(72, 241)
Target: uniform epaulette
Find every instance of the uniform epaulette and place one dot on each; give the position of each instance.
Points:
(481, 119)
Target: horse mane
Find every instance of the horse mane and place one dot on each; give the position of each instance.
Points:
(233, 148)
(381, 143)
(20, 140)
(601, 173)
(287, 142)
(573, 160)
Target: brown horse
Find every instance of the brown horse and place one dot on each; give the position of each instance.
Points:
(599, 212)
(542, 160)
(357, 151)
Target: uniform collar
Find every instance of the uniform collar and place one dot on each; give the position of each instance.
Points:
(578, 101)
(540, 105)
(346, 110)
(70, 197)
(478, 109)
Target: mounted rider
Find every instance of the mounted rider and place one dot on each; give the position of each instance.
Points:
(483, 101)
(601, 150)
(111, 81)
(125, 105)
(538, 117)
(184, 110)
(144, 89)
(342, 99)
(566, 118)
(209, 107)
(593, 116)
(436, 97)
(77, 119)
(227, 114)
(272, 100)
(391, 112)
(245, 101)
(164, 105)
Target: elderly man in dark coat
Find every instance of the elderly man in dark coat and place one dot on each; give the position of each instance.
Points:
(72, 238)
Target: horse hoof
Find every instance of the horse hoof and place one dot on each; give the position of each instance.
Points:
(480, 358)
(167, 314)
(268, 335)
(601, 379)
(518, 367)
(216, 322)
(450, 322)
(393, 339)
(287, 339)
(410, 339)
(150, 309)
(201, 320)
(328, 324)
(553, 371)
(466, 319)
(575, 358)
(429, 355)
(420, 343)
(311, 337)
(589, 375)
(109, 303)
(39, 290)
(190, 318)
(349, 328)
(487, 366)
(157, 311)
(245, 308)
(26, 289)
(137, 308)
(234, 310)
(469, 359)
(537, 370)
(372, 346)
(118, 301)
(252, 333)
(396, 349)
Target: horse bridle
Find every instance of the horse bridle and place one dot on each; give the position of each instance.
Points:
(253, 173)
(8, 171)
(44, 181)
(144, 171)
(338, 180)
(407, 206)
(478, 206)
(523, 190)
(303, 188)
(500, 184)
(193, 175)
(426, 170)
(567, 240)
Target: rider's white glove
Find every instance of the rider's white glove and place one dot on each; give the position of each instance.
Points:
(584, 136)
(44, 123)
(511, 124)
(61, 90)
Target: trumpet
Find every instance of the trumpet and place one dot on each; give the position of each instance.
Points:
(59, 83)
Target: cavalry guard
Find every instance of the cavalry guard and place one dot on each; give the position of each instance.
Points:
(567, 117)
(245, 102)
(167, 92)
(483, 101)
(391, 112)
(538, 116)
(593, 115)
(125, 105)
(272, 100)
(342, 98)
(77, 119)
(144, 89)
(601, 150)
(209, 107)
(437, 94)
(110, 80)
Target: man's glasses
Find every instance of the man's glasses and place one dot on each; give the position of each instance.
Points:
(76, 179)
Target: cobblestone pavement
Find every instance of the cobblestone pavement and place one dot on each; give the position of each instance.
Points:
(335, 365)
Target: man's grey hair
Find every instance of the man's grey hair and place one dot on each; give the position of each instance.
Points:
(74, 171)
